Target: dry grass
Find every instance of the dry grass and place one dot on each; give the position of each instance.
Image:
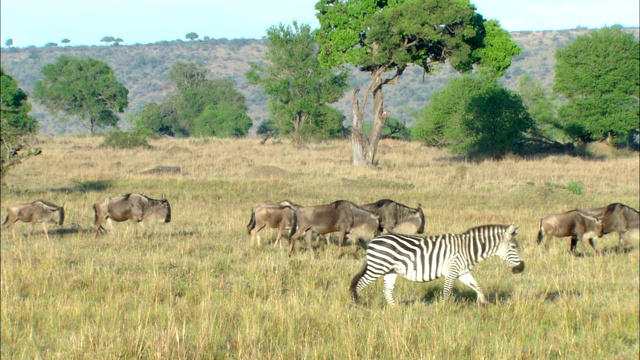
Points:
(194, 288)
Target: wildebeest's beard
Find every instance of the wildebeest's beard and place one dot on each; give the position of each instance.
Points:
(168, 216)
(61, 214)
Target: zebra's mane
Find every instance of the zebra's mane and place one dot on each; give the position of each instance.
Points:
(484, 227)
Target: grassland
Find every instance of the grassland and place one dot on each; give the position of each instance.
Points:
(195, 289)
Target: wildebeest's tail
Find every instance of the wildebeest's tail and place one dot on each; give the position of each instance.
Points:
(540, 233)
(5, 220)
(354, 283)
(294, 224)
(252, 221)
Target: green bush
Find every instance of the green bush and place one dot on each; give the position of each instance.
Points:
(119, 139)
(575, 187)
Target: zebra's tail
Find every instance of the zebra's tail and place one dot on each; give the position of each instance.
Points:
(540, 233)
(252, 221)
(354, 283)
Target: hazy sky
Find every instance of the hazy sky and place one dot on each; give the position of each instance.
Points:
(85, 22)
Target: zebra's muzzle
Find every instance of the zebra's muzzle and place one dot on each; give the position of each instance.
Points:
(518, 268)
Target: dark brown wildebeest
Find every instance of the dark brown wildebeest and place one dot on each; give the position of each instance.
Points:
(37, 211)
(274, 215)
(137, 207)
(571, 223)
(393, 214)
(618, 218)
(340, 216)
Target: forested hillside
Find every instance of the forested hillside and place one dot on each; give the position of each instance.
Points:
(143, 70)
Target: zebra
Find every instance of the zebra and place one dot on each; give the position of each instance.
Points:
(422, 259)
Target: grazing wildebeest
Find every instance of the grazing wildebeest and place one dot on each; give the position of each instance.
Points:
(393, 214)
(571, 223)
(37, 211)
(137, 207)
(274, 215)
(340, 216)
(618, 218)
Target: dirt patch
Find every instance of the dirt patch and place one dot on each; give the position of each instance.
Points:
(163, 170)
(175, 150)
(266, 171)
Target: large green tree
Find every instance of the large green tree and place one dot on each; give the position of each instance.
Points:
(17, 125)
(598, 74)
(298, 85)
(84, 88)
(382, 37)
(197, 106)
(476, 116)
(540, 105)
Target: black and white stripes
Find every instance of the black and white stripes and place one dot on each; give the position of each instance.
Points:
(422, 259)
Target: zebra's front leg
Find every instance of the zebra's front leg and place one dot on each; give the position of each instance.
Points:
(389, 283)
(468, 280)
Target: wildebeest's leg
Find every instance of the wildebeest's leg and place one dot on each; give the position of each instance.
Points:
(468, 280)
(44, 227)
(573, 244)
(341, 235)
(593, 246)
(621, 239)
(548, 242)
(292, 241)
(10, 221)
(254, 234)
(279, 236)
(308, 237)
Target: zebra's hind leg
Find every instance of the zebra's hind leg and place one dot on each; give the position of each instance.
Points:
(358, 283)
(468, 280)
(389, 283)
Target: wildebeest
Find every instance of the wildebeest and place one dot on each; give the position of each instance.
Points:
(137, 207)
(393, 214)
(274, 215)
(618, 218)
(37, 211)
(340, 216)
(571, 223)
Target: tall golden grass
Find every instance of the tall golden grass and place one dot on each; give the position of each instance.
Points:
(196, 289)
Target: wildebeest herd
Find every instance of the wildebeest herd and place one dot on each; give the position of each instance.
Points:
(417, 258)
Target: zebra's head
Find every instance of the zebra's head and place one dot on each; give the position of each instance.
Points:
(509, 251)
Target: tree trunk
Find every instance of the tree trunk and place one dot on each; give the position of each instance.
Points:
(364, 150)
(359, 141)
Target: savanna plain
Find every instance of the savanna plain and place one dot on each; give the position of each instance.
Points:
(195, 288)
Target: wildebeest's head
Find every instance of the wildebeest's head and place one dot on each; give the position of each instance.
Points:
(420, 220)
(167, 208)
(592, 226)
(61, 214)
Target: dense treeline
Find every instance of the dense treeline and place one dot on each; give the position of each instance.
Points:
(143, 70)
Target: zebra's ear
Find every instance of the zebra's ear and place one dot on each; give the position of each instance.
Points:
(512, 230)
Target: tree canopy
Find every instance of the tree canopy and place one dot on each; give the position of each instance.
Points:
(197, 107)
(85, 88)
(17, 124)
(598, 74)
(387, 36)
(298, 85)
(476, 116)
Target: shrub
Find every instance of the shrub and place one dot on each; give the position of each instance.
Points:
(119, 139)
